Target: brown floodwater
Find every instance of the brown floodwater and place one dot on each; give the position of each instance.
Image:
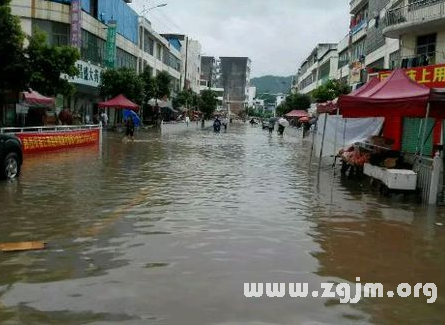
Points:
(168, 229)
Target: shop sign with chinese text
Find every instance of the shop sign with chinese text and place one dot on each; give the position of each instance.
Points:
(88, 74)
(76, 30)
(432, 76)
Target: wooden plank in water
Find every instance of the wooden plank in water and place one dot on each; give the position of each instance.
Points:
(22, 246)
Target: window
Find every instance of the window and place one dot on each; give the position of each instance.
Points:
(394, 60)
(159, 51)
(323, 73)
(151, 46)
(358, 50)
(58, 34)
(93, 48)
(125, 59)
(343, 58)
(426, 45)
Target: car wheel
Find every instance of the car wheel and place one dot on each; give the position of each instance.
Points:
(11, 166)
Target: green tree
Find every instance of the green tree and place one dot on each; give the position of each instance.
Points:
(208, 102)
(122, 81)
(186, 98)
(150, 90)
(294, 101)
(163, 84)
(268, 98)
(12, 59)
(47, 63)
(330, 90)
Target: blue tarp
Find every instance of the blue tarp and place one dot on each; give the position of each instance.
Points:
(134, 116)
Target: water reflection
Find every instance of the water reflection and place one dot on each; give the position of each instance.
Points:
(167, 230)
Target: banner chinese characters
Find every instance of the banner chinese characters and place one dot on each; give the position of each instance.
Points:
(111, 45)
(432, 76)
(76, 30)
(39, 142)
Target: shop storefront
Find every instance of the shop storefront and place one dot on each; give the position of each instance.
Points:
(86, 96)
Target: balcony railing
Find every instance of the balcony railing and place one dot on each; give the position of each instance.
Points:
(353, 4)
(361, 25)
(413, 61)
(419, 11)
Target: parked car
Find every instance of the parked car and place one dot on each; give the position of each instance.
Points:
(11, 156)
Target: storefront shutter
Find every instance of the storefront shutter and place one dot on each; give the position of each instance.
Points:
(412, 134)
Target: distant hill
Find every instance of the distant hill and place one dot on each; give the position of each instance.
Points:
(272, 84)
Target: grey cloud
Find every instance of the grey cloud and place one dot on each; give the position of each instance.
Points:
(276, 34)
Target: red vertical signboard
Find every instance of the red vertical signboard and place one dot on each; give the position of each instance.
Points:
(76, 30)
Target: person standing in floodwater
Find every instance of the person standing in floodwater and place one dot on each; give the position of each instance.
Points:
(129, 128)
(271, 126)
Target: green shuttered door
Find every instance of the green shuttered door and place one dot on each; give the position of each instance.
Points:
(412, 135)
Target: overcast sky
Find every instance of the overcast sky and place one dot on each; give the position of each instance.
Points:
(276, 34)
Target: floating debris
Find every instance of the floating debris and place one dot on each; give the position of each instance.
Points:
(440, 224)
(22, 246)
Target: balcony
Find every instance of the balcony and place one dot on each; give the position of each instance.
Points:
(413, 61)
(424, 15)
(356, 5)
(359, 31)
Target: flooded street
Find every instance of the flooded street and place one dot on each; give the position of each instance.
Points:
(168, 229)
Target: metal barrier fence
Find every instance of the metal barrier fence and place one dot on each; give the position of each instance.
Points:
(53, 128)
(424, 169)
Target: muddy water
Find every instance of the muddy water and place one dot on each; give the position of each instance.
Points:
(166, 231)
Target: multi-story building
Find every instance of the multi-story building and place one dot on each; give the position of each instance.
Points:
(320, 66)
(158, 54)
(370, 50)
(211, 72)
(235, 79)
(107, 33)
(343, 70)
(420, 27)
(191, 58)
(279, 98)
(252, 95)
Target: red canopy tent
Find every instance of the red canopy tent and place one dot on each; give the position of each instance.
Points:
(35, 99)
(297, 114)
(327, 107)
(366, 87)
(119, 102)
(397, 95)
(332, 105)
(394, 98)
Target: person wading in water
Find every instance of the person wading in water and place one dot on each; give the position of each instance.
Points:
(129, 128)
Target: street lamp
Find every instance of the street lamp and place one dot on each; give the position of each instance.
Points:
(144, 11)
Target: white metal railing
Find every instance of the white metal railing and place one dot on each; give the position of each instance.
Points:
(46, 129)
(419, 11)
(424, 169)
